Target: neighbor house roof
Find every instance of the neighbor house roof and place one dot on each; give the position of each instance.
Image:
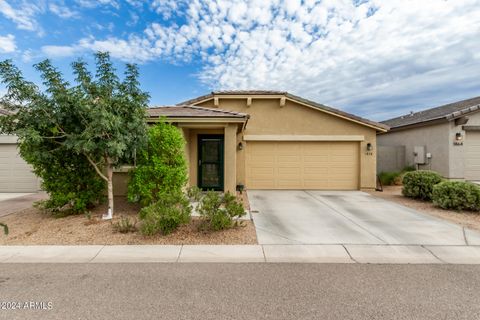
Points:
(447, 112)
(381, 126)
(187, 111)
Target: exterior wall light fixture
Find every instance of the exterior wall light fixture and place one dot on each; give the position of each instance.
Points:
(240, 146)
(369, 147)
(458, 136)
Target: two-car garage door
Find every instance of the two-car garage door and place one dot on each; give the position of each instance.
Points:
(15, 174)
(302, 165)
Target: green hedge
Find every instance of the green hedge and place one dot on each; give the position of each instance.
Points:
(456, 195)
(389, 178)
(419, 184)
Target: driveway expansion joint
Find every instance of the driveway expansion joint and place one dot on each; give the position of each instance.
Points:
(348, 218)
(465, 236)
(348, 252)
(96, 255)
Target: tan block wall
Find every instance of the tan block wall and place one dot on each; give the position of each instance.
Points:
(268, 118)
(120, 183)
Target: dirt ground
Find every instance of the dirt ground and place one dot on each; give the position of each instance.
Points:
(464, 218)
(34, 227)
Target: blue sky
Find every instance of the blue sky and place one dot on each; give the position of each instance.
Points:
(374, 58)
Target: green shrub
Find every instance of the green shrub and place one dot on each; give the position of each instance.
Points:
(71, 182)
(5, 228)
(161, 165)
(456, 195)
(419, 184)
(125, 225)
(194, 193)
(388, 178)
(164, 216)
(219, 212)
(408, 169)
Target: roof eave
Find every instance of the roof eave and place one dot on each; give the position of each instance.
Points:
(199, 119)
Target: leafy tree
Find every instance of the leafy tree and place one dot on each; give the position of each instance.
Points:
(99, 121)
(161, 165)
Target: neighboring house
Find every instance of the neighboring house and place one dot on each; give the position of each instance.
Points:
(445, 139)
(273, 140)
(15, 174)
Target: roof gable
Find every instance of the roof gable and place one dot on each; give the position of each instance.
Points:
(297, 99)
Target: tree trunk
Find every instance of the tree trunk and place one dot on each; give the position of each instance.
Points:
(109, 168)
(110, 186)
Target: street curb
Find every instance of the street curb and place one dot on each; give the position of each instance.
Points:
(331, 253)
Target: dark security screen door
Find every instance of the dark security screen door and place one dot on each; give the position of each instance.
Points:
(210, 162)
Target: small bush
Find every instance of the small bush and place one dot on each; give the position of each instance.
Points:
(456, 195)
(125, 225)
(5, 228)
(408, 169)
(166, 215)
(419, 184)
(388, 178)
(194, 193)
(219, 212)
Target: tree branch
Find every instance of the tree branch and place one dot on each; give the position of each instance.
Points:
(96, 168)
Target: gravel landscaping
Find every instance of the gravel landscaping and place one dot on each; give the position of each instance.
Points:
(464, 218)
(33, 227)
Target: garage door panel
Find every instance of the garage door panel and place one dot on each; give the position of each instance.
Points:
(303, 165)
(472, 155)
(288, 160)
(15, 174)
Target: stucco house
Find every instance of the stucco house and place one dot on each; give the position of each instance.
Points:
(272, 140)
(445, 139)
(15, 174)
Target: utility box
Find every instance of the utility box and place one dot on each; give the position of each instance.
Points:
(419, 155)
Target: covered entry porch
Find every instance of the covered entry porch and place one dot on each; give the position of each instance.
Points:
(213, 148)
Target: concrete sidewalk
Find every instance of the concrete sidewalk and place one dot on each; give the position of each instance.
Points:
(382, 254)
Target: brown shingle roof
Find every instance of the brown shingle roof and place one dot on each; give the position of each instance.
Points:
(447, 111)
(186, 111)
(292, 97)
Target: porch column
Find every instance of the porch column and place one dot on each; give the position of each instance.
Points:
(230, 162)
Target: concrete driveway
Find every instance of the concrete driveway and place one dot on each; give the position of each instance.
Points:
(353, 217)
(14, 202)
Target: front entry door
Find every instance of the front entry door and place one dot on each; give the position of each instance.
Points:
(210, 162)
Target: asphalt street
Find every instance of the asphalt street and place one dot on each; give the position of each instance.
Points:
(239, 291)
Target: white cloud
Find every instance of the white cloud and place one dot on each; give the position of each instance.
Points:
(96, 3)
(60, 51)
(340, 52)
(62, 11)
(24, 16)
(167, 8)
(7, 43)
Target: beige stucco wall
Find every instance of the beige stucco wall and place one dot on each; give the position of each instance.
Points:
(434, 137)
(268, 118)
